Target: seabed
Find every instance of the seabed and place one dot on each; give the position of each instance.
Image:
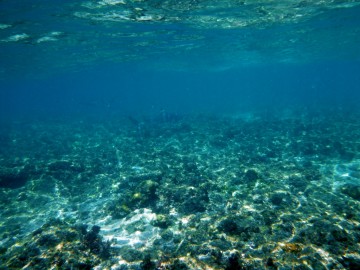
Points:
(261, 190)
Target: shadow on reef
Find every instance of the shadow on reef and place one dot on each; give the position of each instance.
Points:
(16, 176)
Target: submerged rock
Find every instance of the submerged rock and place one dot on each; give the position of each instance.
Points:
(350, 262)
(251, 176)
(218, 194)
(351, 190)
(229, 226)
(13, 178)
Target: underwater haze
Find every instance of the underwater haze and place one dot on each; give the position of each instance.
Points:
(189, 134)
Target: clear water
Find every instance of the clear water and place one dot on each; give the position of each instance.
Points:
(181, 56)
(197, 134)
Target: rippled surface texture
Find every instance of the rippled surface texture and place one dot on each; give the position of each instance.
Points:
(67, 34)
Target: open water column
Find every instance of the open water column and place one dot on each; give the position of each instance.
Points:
(192, 134)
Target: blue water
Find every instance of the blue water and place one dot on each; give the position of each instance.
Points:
(101, 57)
(124, 89)
(192, 134)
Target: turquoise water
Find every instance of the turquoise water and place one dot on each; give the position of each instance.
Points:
(194, 134)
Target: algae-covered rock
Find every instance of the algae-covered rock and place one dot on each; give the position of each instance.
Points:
(162, 221)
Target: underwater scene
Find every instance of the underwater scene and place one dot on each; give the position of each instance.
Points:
(180, 134)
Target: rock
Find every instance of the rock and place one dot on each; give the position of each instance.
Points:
(234, 262)
(277, 199)
(48, 240)
(12, 178)
(162, 221)
(350, 262)
(228, 226)
(251, 176)
(147, 264)
(351, 190)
